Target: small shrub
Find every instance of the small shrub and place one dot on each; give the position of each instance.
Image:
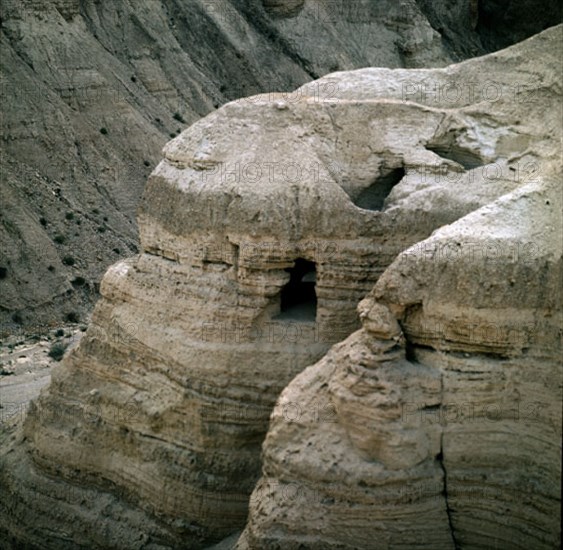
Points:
(146, 163)
(17, 318)
(179, 118)
(95, 211)
(68, 260)
(103, 131)
(57, 351)
(101, 229)
(43, 221)
(78, 281)
(106, 218)
(117, 250)
(133, 79)
(3, 272)
(72, 317)
(51, 268)
(60, 332)
(172, 135)
(69, 216)
(59, 239)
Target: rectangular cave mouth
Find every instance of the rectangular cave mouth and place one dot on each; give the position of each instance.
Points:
(298, 298)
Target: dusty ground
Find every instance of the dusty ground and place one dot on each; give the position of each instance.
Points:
(25, 366)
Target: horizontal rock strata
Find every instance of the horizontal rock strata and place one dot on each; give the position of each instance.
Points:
(438, 424)
(261, 229)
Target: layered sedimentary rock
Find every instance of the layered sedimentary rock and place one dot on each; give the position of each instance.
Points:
(261, 229)
(91, 91)
(438, 423)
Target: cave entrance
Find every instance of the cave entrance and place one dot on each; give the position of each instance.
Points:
(298, 301)
(373, 197)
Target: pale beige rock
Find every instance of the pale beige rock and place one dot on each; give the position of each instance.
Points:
(455, 443)
(156, 420)
(91, 92)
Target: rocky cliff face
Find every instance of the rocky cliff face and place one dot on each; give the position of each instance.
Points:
(438, 424)
(92, 91)
(261, 228)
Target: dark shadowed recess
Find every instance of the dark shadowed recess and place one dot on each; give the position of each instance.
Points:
(468, 159)
(373, 197)
(298, 300)
(469, 27)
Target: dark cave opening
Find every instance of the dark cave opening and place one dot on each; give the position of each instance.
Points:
(373, 197)
(468, 159)
(298, 300)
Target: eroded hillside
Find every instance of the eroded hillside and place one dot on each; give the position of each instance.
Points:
(92, 91)
(429, 414)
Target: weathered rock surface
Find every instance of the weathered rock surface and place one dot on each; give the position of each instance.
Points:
(438, 423)
(261, 229)
(91, 91)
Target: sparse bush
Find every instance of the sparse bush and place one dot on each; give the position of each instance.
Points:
(51, 268)
(103, 131)
(3, 272)
(133, 79)
(43, 221)
(95, 211)
(68, 260)
(172, 135)
(106, 218)
(59, 239)
(117, 250)
(17, 318)
(179, 118)
(146, 163)
(60, 332)
(69, 216)
(57, 351)
(101, 229)
(78, 281)
(72, 317)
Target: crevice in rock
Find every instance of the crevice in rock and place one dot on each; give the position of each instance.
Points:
(373, 197)
(440, 459)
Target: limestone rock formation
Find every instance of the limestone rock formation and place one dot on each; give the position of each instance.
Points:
(260, 230)
(91, 91)
(438, 424)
